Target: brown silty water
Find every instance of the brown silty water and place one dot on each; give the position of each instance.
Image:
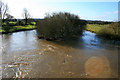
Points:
(26, 56)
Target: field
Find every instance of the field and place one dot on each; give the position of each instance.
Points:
(94, 27)
(110, 31)
(15, 27)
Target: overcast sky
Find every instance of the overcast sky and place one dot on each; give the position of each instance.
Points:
(86, 9)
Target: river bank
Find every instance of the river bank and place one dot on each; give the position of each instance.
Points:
(17, 31)
(11, 29)
(108, 31)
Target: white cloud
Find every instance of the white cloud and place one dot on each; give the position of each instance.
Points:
(114, 12)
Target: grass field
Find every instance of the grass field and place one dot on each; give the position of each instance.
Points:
(111, 31)
(9, 27)
(94, 27)
(19, 28)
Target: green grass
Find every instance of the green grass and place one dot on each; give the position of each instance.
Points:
(34, 23)
(9, 23)
(94, 27)
(4, 23)
(18, 28)
(110, 31)
(2, 30)
(12, 22)
(25, 27)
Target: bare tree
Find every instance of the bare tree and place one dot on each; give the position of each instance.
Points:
(9, 16)
(1, 5)
(3, 11)
(26, 15)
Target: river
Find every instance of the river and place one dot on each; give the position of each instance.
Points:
(26, 56)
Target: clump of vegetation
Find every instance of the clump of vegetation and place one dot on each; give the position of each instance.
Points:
(33, 23)
(94, 27)
(60, 26)
(7, 28)
(6, 25)
(110, 31)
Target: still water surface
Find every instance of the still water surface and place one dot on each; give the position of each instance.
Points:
(26, 56)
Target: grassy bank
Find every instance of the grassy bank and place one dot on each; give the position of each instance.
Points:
(95, 28)
(110, 31)
(18, 28)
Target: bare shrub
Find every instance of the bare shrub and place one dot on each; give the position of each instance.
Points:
(111, 31)
(60, 26)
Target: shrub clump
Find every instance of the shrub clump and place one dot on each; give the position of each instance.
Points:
(111, 31)
(6, 27)
(60, 26)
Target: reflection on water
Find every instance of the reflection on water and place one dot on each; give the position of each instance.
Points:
(98, 67)
(24, 55)
(95, 42)
(19, 40)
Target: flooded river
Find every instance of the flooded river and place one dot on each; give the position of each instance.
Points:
(26, 56)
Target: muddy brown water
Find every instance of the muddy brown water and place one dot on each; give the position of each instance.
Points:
(26, 56)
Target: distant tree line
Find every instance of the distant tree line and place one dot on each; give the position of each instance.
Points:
(99, 22)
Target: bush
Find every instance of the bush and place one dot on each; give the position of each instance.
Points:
(60, 26)
(32, 23)
(13, 23)
(7, 27)
(111, 31)
(22, 23)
